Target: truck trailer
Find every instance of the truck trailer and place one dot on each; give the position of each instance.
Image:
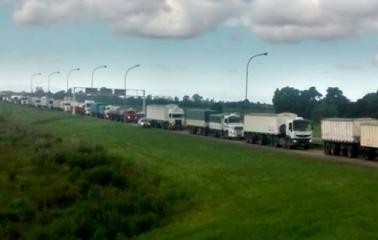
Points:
(197, 120)
(369, 140)
(226, 126)
(169, 116)
(342, 136)
(97, 110)
(281, 130)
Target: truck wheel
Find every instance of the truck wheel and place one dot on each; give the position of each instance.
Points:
(260, 140)
(288, 144)
(327, 148)
(335, 149)
(369, 154)
(352, 151)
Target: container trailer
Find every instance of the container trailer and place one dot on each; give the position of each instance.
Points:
(197, 120)
(369, 140)
(97, 109)
(342, 136)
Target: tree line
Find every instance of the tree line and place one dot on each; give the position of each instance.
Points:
(311, 104)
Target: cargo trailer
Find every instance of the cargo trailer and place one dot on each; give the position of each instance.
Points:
(342, 136)
(369, 140)
(197, 120)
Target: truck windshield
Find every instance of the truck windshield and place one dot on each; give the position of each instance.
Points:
(302, 125)
(175, 115)
(233, 120)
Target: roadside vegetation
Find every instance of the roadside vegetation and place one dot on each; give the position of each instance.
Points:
(220, 190)
(55, 189)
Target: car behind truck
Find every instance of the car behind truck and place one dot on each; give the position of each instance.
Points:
(280, 130)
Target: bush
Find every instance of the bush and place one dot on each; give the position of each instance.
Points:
(72, 190)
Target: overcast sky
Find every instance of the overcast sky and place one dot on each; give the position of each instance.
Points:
(192, 46)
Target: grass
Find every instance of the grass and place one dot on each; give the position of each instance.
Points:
(238, 192)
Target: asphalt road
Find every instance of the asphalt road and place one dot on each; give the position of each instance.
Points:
(315, 152)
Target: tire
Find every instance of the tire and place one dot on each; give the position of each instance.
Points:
(369, 154)
(288, 144)
(260, 140)
(335, 149)
(352, 151)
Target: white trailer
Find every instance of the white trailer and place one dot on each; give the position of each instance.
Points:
(369, 139)
(169, 116)
(280, 130)
(342, 135)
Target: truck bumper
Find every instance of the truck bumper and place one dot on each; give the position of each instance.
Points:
(301, 142)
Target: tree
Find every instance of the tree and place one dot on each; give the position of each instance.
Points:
(197, 98)
(336, 98)
(324, 110)
(296, 101)
(39, 92)
(217, 107)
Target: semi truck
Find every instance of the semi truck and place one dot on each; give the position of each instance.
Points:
(281, 130)
(119, 114)
(226, 126)
(342, 136)
(197, 120)
(168, 116)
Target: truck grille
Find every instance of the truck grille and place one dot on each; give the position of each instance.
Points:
(304, 136)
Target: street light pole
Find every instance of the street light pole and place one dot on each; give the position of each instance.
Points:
(93, 72)
(247, 76)
(127, 72)
(49, 79)
(31, 80)
(68, 76)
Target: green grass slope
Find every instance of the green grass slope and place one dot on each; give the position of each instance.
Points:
(238, 192)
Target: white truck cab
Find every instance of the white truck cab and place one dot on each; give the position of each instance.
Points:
(234, 126)
(226, 125)
(175, 116)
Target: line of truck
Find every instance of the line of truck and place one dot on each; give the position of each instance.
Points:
(281, 130)
(340, 136)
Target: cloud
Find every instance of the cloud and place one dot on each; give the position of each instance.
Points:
(151, 18)
(300, 20)
(283, 21)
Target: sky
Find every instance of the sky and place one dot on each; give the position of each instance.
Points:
(187, 47)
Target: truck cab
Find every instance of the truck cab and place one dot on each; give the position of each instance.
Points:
(176, 117)
(87, 106)
(233, 125)
(298, 131)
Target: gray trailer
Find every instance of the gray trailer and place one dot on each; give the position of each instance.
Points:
(197, 120)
